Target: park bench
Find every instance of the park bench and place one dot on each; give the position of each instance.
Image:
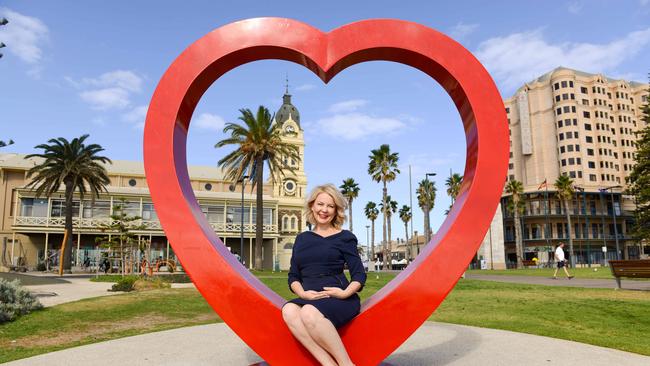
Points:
(630, 268)
(529, 263)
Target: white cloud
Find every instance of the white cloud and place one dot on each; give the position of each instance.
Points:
(305, 87)
(347, 106)
(644, 2)
(209, 121)
(574, 7)
(136, 115)
(109, 98)
(354, 126)
(462, 30)
(521, 57)
(123, 79)
(23, 36)
(426, 163)
(111, 90)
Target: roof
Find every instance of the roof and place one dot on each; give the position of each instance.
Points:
(287, 110)
(125, 167)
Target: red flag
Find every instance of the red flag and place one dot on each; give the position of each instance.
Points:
(543, 185)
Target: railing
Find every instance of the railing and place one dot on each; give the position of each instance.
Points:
(99, 223)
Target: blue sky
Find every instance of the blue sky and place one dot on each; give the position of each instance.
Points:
(78, 67)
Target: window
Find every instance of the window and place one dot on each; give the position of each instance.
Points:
(34, 207)
(569, 148)
(559, 123)
(557, 98)
(511, 166)
(586, 114)
(590, 152)
(572, 174)
(572, 161)
(563, 162)
(589, 139)
(58, 208)
(561, 136)
(570, 83)
(208, 187)
(558, 111)
(132, 182)
(566, 109)
(591, 165)
(585, 102)
(569, 135)
(149, 213)
(556, 86)
(214, 213)
(583, 90)
(592, 177)
(587, 127)
(564, 84)
(562, 149)
(577, 147)
(507, 110)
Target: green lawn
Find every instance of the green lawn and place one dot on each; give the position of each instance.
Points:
(595, 272)
(616, 319)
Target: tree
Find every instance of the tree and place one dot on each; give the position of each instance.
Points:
(453, 184)
(383, 168)
(3, 144)
(639, 178)
(391, 208)
(405, 215)
(565, 192)
(78, 168)
(122, 239)
(257, 139)
(350, 189)
(516, 206)
(426, 194)
(371, 213)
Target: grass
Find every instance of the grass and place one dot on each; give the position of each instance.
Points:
(595, 272)
(603, 317)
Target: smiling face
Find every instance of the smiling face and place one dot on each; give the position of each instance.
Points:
(324, 209)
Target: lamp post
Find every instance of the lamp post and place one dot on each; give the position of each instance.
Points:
(368, 242)
(611, 192)
(241, 221)
(584, 205)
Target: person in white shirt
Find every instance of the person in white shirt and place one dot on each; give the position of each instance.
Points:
(561, 262)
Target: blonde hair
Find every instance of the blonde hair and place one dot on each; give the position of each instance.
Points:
(339, 201)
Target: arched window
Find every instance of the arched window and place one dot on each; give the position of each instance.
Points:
(293, 223)
(285, 223)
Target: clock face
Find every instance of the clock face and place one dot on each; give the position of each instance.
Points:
(289, 129)
(290, 186)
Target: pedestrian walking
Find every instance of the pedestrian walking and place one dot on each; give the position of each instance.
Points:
(561, 261)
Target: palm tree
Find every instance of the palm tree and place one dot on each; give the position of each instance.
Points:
(391, 208)
(371, 213)
(405, 215)
(77, 167)
(516, 205)
(453, 184)
(426, 194)
(383, 168)
(565, 192)
(258, 139)
(350, 189)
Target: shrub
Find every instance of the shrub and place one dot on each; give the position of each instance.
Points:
(149, 283)
(15, 300)
(125, 284)
(40, 267)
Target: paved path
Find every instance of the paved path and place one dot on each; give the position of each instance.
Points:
(563, 281)
(432, 344)
(53, 290)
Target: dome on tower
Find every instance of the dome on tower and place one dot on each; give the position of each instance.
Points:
(287, 110)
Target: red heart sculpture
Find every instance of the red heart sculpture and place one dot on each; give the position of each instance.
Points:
(251, 309)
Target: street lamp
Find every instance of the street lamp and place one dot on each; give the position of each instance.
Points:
(368, 243)
(241, 221)
(611, 192)
(584, 205)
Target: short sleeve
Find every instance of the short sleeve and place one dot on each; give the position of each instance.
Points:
(294, 269)
(352, 258)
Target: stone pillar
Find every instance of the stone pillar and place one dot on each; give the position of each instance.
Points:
(492, 249)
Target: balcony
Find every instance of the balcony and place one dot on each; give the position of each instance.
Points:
(96, 224)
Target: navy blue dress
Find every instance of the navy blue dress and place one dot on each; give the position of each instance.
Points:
(317, 262)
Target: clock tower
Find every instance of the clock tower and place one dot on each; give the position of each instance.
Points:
(293, 184)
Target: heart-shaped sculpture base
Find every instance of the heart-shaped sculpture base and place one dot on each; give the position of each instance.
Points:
(251, 309)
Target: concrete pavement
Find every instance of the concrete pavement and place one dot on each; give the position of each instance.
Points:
(432, 344)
